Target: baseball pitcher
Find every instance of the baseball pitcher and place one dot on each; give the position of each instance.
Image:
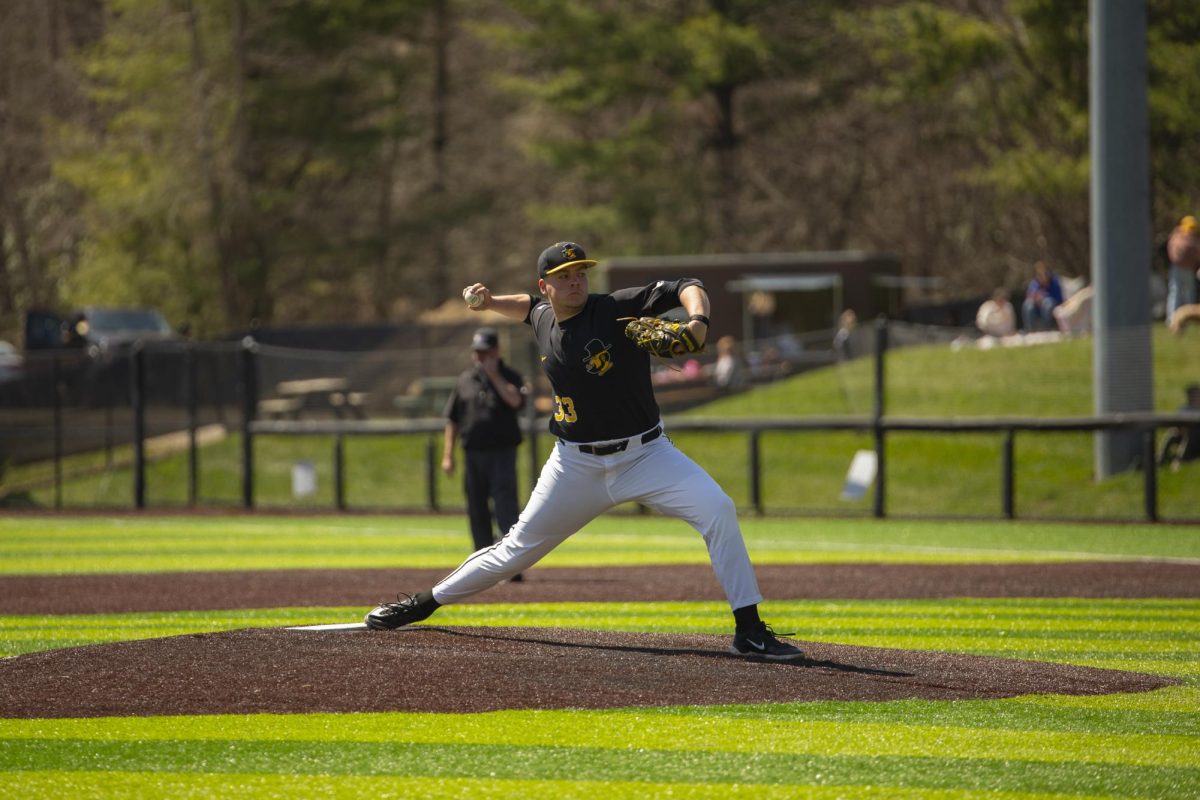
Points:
(611, 449)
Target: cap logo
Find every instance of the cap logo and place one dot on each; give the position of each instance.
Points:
(569, 253)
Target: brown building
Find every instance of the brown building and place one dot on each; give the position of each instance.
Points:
(764, 294)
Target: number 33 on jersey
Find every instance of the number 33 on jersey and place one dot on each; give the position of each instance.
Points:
(564, 410)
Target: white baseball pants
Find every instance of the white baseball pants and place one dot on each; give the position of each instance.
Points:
(575, 487)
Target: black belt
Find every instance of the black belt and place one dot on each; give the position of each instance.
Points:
(617, 447)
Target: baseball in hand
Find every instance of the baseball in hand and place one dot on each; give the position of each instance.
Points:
(472, 299)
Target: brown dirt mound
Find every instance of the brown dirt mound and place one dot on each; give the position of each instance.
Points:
(427, 668)
(74, 594)
(482, 669)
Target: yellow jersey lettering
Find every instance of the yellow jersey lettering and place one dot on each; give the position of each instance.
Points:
(564, 410)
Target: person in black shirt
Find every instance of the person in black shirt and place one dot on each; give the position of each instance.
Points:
(482, 412)
(611, 448)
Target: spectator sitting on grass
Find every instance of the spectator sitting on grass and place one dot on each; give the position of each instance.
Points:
(1041, 298)
(997, 317)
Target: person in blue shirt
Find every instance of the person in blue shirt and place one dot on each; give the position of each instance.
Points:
(1041, 298)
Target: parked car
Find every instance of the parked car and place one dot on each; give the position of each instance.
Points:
(86, 353)
(98, 330)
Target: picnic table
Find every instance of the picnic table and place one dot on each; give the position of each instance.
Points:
(309, 387)
(294, 397)
(426, 396)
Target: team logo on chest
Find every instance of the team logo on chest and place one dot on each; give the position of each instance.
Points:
(598, 361)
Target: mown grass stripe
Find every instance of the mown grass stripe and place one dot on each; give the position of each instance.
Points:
(99, 544)
(85, 785)
(899, 611)
(1087, 539)
(1174, 710)
(1171, 698)
(526, 762)
(810, 736)
(1015, 714)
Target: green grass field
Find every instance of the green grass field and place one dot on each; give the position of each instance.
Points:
(1137, 745)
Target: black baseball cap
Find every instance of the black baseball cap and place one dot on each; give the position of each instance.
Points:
(485, 339)
(560, 255)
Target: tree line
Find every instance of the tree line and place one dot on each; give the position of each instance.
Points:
(235, 162)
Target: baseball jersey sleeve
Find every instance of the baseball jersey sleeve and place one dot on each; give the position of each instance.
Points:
(652, 299)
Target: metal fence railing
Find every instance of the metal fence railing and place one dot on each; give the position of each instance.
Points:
(1145, 425)
(74, 414)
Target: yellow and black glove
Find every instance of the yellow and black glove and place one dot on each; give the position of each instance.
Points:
(661, 337)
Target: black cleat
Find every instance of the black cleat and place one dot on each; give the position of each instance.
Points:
(760, 642)
(405, 611)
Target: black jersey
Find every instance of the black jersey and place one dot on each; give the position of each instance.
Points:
(484, 420)
(601, 380)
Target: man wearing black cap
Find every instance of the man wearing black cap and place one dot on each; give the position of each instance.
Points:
(482, 410)
(611, 448)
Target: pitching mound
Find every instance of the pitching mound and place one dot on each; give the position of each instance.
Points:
(429, 668)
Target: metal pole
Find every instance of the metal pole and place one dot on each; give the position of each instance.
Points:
(339, 473)
(1150, 475)
(137, 397)
(1120, 212)
(755, 473)
(110, 397)
(1007, 476)
(881, 344)
(58, 432)
(249, 413)
(431, 472)
(189, 357)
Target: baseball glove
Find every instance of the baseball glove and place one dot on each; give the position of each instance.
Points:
(661, 337)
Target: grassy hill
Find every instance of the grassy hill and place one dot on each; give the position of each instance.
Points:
(940, 381)
(958, 473)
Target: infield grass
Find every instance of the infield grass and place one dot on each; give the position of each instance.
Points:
(1143, 745)
(52, 545)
